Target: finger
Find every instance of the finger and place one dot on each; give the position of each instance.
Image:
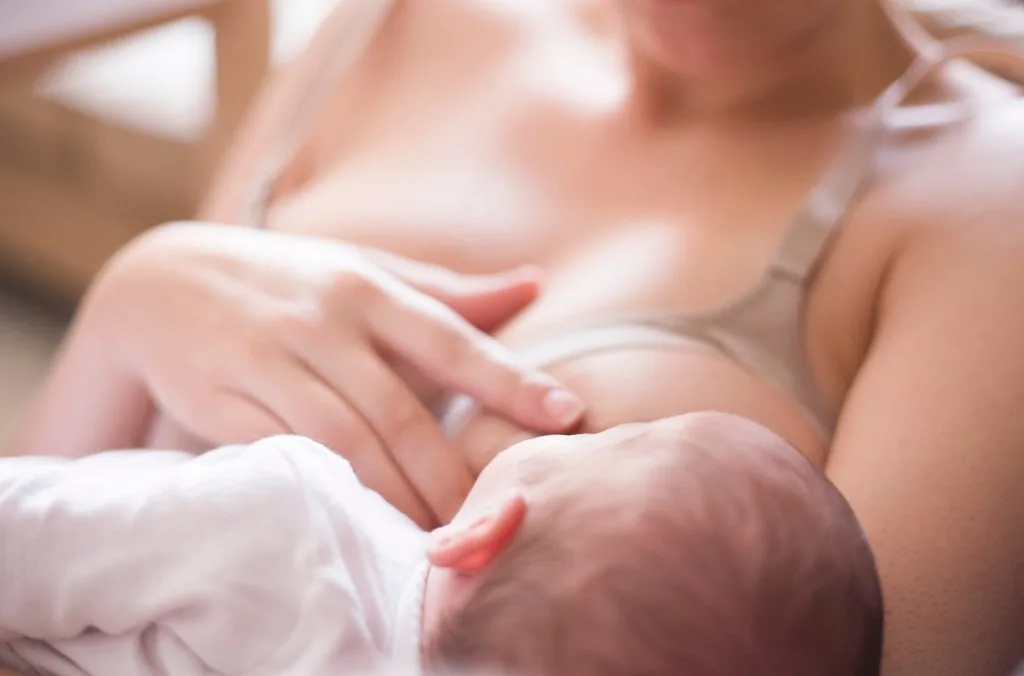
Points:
(485, 301)
(446, 348)
(311, 408)
(235, 418)
(411, 435)
(490, 303)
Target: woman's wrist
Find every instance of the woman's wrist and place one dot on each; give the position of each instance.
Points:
(93, 400)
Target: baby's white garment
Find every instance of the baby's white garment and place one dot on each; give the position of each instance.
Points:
(269, 559)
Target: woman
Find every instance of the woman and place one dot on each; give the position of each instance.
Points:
(649, 156)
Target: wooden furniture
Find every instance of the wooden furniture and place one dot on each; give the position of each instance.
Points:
(78, 182)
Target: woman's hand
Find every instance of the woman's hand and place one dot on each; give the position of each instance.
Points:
(241, 334)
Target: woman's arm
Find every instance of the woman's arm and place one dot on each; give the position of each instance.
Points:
(87, 400)
(84, 397)
(930, 447)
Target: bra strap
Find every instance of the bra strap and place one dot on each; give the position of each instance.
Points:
(828, 202)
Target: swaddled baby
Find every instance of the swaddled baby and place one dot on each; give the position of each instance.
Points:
(700, 545)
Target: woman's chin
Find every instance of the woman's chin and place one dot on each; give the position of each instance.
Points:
(678, 36)
(702, 38)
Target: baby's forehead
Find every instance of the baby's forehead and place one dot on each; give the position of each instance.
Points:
(616, 453)
(634, 454)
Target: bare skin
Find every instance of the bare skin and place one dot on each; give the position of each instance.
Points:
(501, 154)
(480, 136)
(586, 181)
(499, 158)
(534, 469)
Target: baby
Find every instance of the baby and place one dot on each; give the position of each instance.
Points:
(701, 545)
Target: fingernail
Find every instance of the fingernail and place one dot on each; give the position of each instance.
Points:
(563, 406)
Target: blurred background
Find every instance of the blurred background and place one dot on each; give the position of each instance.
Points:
(113, 114)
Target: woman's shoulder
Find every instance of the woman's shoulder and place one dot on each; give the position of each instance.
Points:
(950, 205)
(946, 204)
(956, 170)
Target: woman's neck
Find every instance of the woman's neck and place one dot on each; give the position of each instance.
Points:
(845, 60)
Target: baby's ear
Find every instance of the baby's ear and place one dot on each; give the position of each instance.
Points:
(473, 541)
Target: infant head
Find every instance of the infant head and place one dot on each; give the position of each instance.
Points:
(702, 545)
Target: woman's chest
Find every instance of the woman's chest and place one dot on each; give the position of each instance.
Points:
(505, 172)
(618, 230)
(617, 221)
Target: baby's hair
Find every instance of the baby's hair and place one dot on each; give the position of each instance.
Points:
(741, 558)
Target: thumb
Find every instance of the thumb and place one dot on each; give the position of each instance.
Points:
(485, 301)
(488, 301)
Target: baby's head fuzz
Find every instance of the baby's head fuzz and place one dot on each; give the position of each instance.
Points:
(705, 546)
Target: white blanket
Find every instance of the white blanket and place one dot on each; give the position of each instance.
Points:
(264, 559)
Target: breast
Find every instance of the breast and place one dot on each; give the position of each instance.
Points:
(482, 215)
(639, 385)
(452, 212)
(478, 214)
(619, 225)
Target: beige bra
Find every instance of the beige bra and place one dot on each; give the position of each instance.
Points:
(762, 330)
